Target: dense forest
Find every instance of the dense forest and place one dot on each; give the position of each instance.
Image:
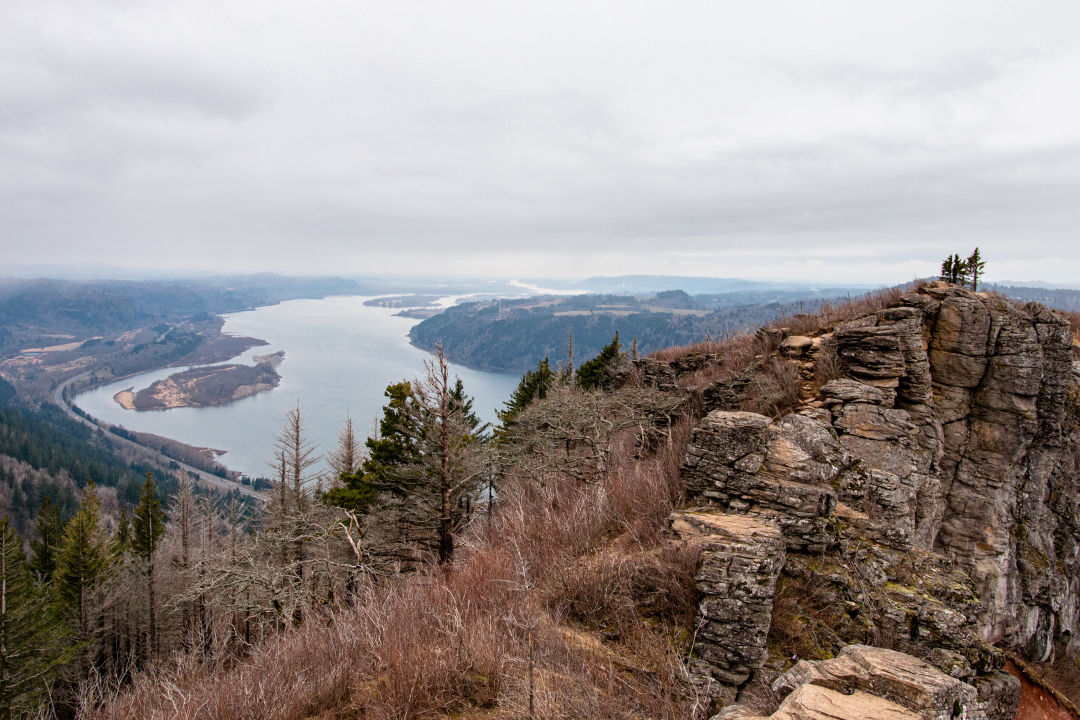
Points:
(64, 456)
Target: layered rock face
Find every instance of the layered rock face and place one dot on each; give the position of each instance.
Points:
(958, 402)
(741, 558)
(932, 487)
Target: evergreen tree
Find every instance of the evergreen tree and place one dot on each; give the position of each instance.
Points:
(121, 540)
(147, 527)
(395, 445)
(954, 269)
(32, 644)
(82, 563)
(450, 467)
(946, 269)
(534, 385)
(598, 372)
(975, 265)
(427, 451)
(463, 404)
(50, 527)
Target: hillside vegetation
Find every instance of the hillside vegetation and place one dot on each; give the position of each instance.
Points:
(661, 547)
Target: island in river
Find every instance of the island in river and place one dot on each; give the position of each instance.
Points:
(206, 386)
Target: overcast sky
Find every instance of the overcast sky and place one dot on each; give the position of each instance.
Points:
(841, 141)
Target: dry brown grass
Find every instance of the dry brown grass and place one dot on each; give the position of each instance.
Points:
(1074, 323)
(802, 614)
(739, 352)
(829, 315)
(562, 572)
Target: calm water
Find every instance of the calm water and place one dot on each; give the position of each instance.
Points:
(339, 357)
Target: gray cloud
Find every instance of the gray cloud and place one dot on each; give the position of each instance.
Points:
(525, 138)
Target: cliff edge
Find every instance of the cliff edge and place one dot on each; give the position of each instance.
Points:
(925, 489)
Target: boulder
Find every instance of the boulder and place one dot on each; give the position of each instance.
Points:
(813, 702)
(902, 679)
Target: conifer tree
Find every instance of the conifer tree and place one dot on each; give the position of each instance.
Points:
(570, 354)
(296, 459)
(147, 527)
(121, 539)
(427, 452)
(975, 265)
(449, 449)
(395, 445)
(946, 269)
(82, 563)
(954, 269)
(598, 372)
(50, 527)
(32, 644)
(534, 385)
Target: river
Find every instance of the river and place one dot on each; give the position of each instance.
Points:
(339, 357)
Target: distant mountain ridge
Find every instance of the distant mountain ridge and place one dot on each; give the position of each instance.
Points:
(694, 285)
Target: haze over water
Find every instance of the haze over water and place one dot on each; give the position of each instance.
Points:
(339, 357)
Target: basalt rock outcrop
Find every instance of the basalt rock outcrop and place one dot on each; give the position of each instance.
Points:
(927, 496)
(741, 558)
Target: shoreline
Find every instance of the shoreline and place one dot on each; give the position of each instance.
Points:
(125, 398)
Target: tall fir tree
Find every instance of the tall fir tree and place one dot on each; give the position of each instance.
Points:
(348, 455)
(121, 539)
(975, 266)
(32, 643)
(147, 527)
(82, 563)
(954, 269)
(50, 527)
(395, 445)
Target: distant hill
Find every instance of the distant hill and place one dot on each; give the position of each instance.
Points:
(651, 284)
(513, 335)
(1058, 298)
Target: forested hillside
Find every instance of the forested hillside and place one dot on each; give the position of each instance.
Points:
(44, 453)
(41, 312)
(513, 335)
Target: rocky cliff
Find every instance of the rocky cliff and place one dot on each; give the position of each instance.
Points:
(925, 494)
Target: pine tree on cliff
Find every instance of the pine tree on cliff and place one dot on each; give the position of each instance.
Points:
(147, 527)
(31, 641)
(954, 269)
(597, 373)
(534, 385)
(975, 265)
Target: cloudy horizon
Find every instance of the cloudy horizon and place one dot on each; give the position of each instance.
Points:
(839, 141)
